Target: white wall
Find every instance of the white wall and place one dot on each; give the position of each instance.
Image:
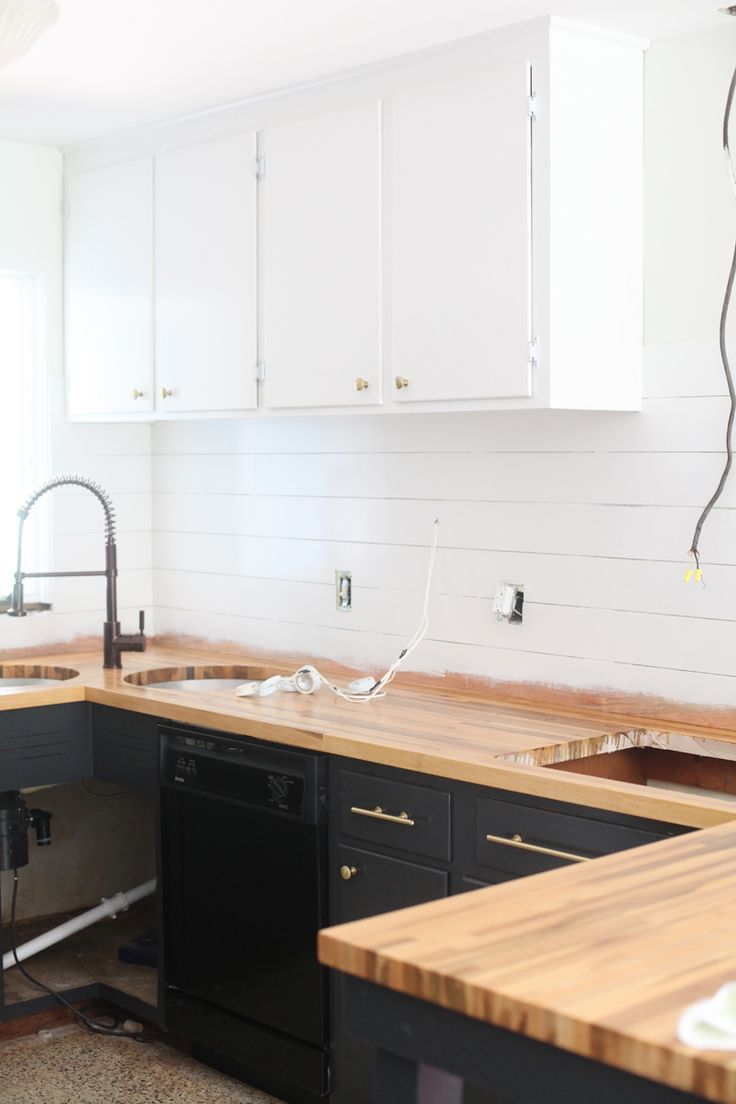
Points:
(116, 456)
(593, 513)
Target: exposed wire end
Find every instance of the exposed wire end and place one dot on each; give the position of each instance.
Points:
(694, 571)
(695, 546)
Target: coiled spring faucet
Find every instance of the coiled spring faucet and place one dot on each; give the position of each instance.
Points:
(114, 642)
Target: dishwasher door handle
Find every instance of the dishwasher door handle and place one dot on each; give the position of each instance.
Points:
(377, 813)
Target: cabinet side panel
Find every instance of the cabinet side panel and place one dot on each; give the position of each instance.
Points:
(596, 275)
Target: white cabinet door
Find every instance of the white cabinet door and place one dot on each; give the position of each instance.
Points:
(205, 283)
(109, 300)
(460, 237)
(322, 255)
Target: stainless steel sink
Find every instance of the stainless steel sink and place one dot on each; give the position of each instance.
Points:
(201, 685)
(19, 677)
(199, 680)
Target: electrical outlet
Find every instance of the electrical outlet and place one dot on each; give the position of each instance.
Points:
(508, 605)
(344, 591)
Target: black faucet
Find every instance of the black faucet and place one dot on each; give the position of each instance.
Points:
(114, 642)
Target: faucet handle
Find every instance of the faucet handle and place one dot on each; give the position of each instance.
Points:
(141, 621)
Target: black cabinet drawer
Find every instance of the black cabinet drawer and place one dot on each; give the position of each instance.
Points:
(395, 814)
(45, 745)
(568, 835)
(377, 883)
(125, 748)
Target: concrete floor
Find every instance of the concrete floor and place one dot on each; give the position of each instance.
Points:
(71, 1066)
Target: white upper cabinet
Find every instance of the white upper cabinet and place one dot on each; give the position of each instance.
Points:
(515, 225)
(321, 260)
(458, 229)
(459, 153)
(205, 277)
(109, 301)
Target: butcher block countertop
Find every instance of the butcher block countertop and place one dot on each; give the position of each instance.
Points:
(432, 730)
(598, 959)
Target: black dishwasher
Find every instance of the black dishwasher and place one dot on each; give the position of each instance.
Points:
(244, 894)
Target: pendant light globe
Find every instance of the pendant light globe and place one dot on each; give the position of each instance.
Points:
(22, 22)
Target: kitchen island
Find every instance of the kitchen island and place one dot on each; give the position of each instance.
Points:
(565, 986)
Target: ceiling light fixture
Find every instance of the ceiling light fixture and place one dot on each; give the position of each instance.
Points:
(22, 22)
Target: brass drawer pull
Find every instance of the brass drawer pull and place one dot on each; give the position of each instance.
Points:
(348, 872)
(517, 841)
(378, 814)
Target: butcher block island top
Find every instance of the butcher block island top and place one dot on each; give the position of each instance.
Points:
(470, 737)
(598, 959)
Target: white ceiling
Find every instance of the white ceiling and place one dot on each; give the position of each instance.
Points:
(108, 65)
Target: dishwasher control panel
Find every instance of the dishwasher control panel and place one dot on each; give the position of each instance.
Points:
(232, 772)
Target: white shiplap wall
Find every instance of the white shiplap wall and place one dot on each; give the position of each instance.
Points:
(593, 513)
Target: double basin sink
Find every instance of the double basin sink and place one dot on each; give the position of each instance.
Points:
(16, 677)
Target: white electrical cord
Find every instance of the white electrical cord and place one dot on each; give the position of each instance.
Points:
(352, 693)
(308, 679)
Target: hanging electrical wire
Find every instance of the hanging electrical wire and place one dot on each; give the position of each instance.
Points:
(695, 571)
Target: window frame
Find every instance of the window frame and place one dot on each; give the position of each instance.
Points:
(35, 440)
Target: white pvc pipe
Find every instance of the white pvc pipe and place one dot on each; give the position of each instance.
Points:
(110, 906)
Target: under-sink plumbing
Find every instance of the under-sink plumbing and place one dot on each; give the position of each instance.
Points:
(114, 642)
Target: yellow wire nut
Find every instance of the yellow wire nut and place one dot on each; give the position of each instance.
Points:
(688, 575)
(698, 576)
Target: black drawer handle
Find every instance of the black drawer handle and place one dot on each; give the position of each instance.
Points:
(377, 813)
(517, 841)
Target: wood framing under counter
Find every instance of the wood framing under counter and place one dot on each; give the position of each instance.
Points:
(468, 737)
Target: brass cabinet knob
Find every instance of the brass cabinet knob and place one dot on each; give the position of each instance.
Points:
(348, 872)
(136, 393)
(165, 393)
(361, 384)
(400, 382)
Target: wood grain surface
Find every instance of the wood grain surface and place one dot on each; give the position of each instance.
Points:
(598, 959)
(447, 733)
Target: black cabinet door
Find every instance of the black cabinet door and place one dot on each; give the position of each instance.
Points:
(365, 884)
(125, 748)
(370, 884)
(45, 745)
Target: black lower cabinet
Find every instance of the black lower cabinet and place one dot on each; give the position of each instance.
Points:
(125, 748)
(45, 746)
(379, 865)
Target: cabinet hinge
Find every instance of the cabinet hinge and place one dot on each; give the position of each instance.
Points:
(531, 106)
(534, 353)
(259, 168)
(260, 371)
